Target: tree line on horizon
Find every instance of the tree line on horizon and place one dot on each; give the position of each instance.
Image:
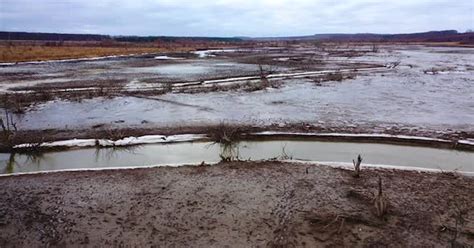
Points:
(432, 36)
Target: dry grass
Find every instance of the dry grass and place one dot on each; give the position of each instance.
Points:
(224, 133)
(21, 53)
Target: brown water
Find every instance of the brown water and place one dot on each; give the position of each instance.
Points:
(193, 153)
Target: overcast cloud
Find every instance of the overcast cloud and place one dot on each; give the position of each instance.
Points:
(234, 17)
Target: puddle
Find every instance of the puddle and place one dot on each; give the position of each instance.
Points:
(209, 53)
(176, 69)
(195, 69)
(196, 152)
(165, 57)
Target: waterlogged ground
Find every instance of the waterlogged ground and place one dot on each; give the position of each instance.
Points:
(343, 104)
(430, 89)
(116, 73)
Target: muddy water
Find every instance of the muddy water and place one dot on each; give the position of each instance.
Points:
(187, 153)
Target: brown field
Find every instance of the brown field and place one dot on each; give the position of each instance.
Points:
(22, 53)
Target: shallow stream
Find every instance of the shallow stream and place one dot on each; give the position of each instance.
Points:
(196, 152)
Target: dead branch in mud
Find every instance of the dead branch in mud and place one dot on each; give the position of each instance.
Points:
(380, 202)
(263, 77)
(357, 166)
(375, 48)
(9, 129)
(459, 216)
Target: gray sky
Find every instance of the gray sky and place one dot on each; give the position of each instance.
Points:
(234, 17)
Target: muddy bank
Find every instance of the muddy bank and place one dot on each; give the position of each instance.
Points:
(235, 204)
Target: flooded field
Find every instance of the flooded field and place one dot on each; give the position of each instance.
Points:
(395, 89)
(230, 123)
(276, 120)
(408, 88)
(207, 152)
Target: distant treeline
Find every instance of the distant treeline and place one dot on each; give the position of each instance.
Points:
(433, 36)
(52, 36)
(95, 37)
(174, 39)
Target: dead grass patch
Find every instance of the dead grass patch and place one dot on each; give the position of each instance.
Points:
(225, 133)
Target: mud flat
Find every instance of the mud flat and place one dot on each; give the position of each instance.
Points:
(237, 204)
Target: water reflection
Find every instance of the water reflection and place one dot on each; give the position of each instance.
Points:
(108, 153)
(10, 164)
(18, 161)
(35, 158)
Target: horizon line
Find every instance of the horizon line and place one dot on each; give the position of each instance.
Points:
(237, 36)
